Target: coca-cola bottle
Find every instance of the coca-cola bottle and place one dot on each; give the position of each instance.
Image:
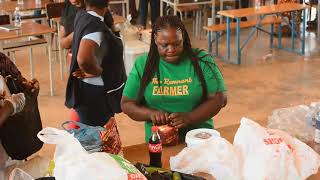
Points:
(155, 148)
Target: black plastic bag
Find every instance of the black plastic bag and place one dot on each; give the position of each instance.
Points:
(18, 134)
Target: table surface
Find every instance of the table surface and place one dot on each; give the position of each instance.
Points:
(116, 19)
(139, 153)
(188, 2)
(27, 29)
(28, 5)
(277, 8)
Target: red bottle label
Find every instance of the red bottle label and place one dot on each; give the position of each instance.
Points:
(155, 148)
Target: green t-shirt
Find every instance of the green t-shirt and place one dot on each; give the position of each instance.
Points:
(179, 89)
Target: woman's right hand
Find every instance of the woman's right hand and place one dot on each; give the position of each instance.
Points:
(159, 117)
(80, 74)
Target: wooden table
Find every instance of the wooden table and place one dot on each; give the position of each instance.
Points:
(28, 5)
(262, 13)
(139, 153)
(31, 29)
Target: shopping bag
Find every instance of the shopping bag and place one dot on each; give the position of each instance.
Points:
(73, 162)
(18, 133)
(96, 138)
(273, 154)
(88, 136)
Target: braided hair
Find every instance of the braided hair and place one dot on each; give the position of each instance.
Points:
(152, 65)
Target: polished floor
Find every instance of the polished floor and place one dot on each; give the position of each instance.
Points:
(266, 80)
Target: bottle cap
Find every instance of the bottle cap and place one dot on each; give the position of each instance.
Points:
(154, 128)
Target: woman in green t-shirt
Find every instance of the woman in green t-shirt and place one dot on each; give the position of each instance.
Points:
(173, 84)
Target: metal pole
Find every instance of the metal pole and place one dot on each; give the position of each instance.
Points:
(228, 38)
(303, 31)
(238, 42)
(292, 29)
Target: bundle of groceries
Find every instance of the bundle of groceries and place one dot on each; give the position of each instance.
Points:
(257, 153)
(73, 162)
(156, 173)
(70, 156)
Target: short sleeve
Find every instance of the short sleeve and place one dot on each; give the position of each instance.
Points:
(132, 86)
(212, 74)
(97, 37)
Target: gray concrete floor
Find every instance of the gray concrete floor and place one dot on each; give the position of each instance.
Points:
(255, 88)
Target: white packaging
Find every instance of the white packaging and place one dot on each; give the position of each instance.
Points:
(133, 49)
(216, 157)
(257, 153)
(145, 36)
(199, 136)
(72, 162)
(273, 154)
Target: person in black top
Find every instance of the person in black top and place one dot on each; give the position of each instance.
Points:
(66, 29)
(67, 20)
(85, 89)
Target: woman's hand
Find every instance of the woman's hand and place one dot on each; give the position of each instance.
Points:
(159, 117)
(33, 86)
(179, 120)
(80, 74)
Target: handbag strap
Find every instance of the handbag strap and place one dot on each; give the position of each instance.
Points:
(81, 125)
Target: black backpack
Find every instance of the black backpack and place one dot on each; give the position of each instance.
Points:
(18, 134)
(114, 73)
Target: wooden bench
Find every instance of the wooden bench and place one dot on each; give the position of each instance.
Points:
(243, 24)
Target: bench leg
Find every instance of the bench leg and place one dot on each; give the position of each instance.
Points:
(292, 29)
(238, 42)
(50, 64)
(271, 35)
(304, 30)
(216, 42)
(228, 38)
(31, 63)
(209, 42)
(14, 57)
(280, 36)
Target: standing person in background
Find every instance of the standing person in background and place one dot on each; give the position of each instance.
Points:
(85, 89)
(67, 19)
(133, 9)
(173, 84)
(143, 11)
(66, 32)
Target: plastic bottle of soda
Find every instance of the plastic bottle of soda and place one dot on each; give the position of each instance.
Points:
(155, 148)
(17, 17)
(257, 4)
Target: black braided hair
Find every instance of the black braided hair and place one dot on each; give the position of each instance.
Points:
(152, 64)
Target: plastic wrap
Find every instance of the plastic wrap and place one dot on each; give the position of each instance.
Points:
(298, 121)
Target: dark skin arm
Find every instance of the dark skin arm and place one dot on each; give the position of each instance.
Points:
(5, 111)
(87, 60)
(209, 108)
(142, 113)
(65, 40)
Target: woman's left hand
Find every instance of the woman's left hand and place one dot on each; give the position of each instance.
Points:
(179, 120)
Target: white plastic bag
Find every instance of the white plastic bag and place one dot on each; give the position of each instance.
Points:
(72, 162)
(19, 174)
(257, 153)
(216, 157)
(273, 154)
